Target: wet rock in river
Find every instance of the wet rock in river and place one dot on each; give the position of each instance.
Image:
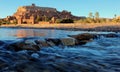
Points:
(61, 41)
(35, 45)
(22, 45)
(15, 46)
(31, 47)
(41, 43)
(53, 42)
(82, 42)
(50, 43)
(83, 38)
(30, 42)
(68, 41)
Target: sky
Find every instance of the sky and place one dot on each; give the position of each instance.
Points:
(106, 8)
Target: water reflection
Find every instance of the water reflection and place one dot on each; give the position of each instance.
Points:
(9, 33)
(29, 33)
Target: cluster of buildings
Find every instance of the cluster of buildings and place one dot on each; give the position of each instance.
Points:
(34, 14)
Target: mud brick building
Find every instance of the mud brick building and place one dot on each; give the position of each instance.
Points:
(32, 14)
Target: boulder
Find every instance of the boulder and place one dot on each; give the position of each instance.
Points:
(53, 42)
(83, 38)
(41, 43)
(82, 42)
(68, 41)
(30, 42)
(31, 47)
(50, 43)
(17, 46)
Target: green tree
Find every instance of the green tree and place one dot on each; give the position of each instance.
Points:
(67, 21)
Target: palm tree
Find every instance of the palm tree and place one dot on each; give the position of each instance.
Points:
(97, 15)
(90, 15)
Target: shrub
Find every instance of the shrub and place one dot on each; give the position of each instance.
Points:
(58, 20)
(67, 21)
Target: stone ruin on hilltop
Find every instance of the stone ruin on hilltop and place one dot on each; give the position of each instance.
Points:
(34, 14)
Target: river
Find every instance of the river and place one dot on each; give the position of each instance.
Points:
(99, 55)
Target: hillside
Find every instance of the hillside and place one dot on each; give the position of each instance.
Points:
(34, 14)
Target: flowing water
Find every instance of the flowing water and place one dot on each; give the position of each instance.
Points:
(99, 55)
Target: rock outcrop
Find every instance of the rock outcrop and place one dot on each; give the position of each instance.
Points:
(68, 41)
(72, 40)
(36, 45)
(23, 45)
(83, 38)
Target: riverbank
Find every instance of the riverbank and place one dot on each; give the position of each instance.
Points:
(74, 26)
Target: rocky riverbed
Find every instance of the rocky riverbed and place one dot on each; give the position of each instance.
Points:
(84, 52)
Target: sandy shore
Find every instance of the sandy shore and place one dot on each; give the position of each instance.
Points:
(74, 26)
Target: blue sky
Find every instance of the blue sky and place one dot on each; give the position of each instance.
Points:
(106, 8)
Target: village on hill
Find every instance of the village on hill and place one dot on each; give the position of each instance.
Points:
(33, 14)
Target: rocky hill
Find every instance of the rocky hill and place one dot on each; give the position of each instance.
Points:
(33, 14)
